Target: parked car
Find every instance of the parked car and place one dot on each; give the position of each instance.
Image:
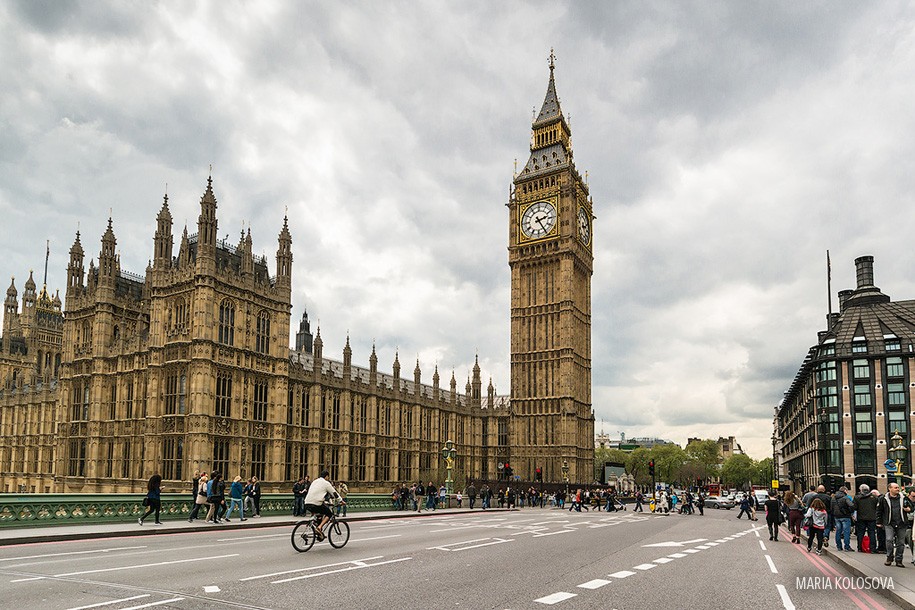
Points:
(761, 496)
(719, 502)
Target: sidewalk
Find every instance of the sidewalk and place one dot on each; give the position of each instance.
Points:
(58, 533)
(870, 565)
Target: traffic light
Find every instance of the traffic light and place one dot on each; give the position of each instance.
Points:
(539, 473)
(651, 467)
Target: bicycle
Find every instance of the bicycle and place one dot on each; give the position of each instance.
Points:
(305, 533)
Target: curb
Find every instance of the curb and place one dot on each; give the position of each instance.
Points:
(152, 530)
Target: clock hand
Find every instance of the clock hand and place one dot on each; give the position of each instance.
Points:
(539, 220)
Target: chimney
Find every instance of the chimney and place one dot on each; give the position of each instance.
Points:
(843, 296)
(864, 266)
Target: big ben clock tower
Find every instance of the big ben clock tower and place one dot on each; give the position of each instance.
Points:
(550, 246)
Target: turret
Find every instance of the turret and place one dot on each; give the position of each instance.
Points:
(347, 358)
(453, 388)
(184, 250)
(107, 259)
(29, 296)
(490, 394)
(396, 372)
(417, 375)
(75, 267)
(436, 392)
(10, 308)
(206, 231)
(303, 338)
(373, 367)
(319, 349)
(284, 257)
(163, 242)
(477, 384)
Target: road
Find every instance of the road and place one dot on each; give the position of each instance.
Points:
(530, 558)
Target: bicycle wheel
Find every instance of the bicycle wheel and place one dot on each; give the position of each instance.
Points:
(338, 534)
(303, 536)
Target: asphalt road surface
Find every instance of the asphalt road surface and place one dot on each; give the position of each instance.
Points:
(530, 558)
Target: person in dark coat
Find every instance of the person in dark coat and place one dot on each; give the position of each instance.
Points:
(153, 498)
(867, 518)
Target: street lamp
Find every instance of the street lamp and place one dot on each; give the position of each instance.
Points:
(565, 474)
(821, 439)
(897, 451)
(448, 452)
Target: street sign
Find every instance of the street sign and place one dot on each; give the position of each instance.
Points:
(774, 483)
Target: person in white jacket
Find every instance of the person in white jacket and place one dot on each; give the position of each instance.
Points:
(314, 500)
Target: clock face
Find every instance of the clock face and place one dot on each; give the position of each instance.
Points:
(584, 226)
(538, 220)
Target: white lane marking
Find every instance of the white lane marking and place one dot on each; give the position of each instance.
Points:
(108, 603)
(453, 529)
(378, 537)
(756, 532)
(786, 601)
(692, 551)
(303, 577)
(663, 560)
(164, 601)
(623, 574)
(211, 589)
(554, 533)
(245, 538)
(720, 540)
(771, 565)
(145, 565)
(121, 548)
(474, 546)
(432, 548)
(28, 579)
(555, 598)
(711, 544)
(329, 565)
(703, 547)
(696, 540)
(761, 545)
(645, 566)
(594, 584)
(676, 555)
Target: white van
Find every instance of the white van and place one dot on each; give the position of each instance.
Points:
(761, 496)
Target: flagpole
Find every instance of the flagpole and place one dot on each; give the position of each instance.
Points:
(829, 285)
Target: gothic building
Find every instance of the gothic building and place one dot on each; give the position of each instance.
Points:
(550, 245)
(188, 367)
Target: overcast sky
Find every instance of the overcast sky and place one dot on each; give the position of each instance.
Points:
(728, 147)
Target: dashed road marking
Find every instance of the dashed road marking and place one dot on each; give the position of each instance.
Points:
(663, 560)
(159, 603)
(677, 555)
(786, 601)
(645, 566)
(108, 603)
(555, 598)
(771, 565)
(595, 584)
(761, 545)
(692, 551)
(623, 574)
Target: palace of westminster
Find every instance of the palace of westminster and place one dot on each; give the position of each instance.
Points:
(188, 367)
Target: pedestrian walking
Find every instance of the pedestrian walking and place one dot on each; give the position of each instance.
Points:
(795, 516)
(471, 495)
(816, 517)
(153, 499)
(217, 498)
(201, 498)
(235, 499)
(892, 519)
(342, 489)
(299, 489)
(866, 519)
(638, 503)
(431, 495)
(256, 495)
(745, 508)
(773, 515)
(842, 509)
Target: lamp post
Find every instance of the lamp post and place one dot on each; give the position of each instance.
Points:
(774, 462)
(565, 474)
(897, 451)
(821, 446)
(448, 452)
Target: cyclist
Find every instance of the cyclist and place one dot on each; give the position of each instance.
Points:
(314, 500)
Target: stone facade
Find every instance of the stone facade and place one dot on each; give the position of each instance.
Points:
(188, 367)
(853, 390)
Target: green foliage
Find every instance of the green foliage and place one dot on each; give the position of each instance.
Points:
(706, 456)
(738, 470)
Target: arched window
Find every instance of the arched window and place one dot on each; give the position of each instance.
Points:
(262, 336)
(227, 323)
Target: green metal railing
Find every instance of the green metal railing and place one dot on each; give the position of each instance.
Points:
(23, 510)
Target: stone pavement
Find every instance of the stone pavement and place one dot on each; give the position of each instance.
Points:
(57, 533)
(870, 565)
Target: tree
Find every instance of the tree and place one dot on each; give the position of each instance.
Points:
(706, 454)
(637, 465)
(738, 470)
(607, 454)
(763, 474)
(668, 462)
